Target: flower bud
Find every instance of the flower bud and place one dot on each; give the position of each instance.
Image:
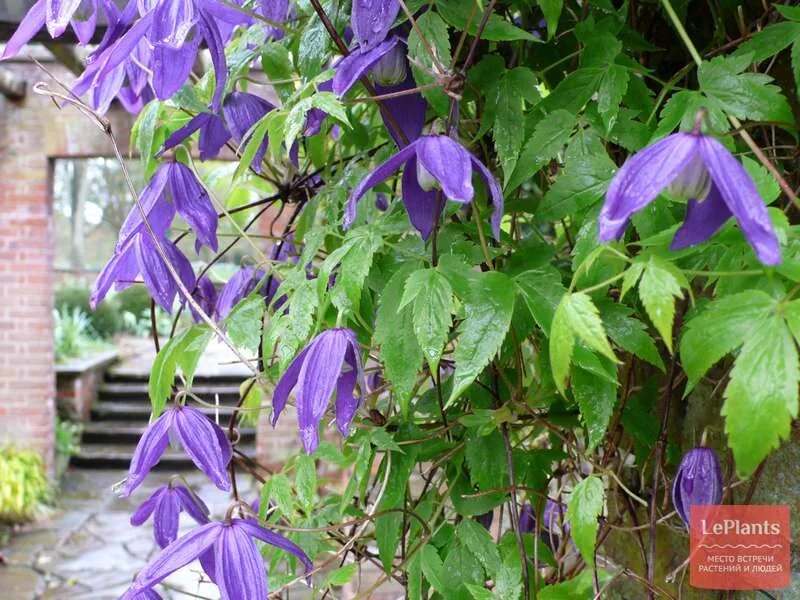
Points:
(527, 519)
(391, 68)
(693, 182)
(698, 481)
(381, 202)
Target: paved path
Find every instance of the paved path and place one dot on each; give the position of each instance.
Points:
(88, 550)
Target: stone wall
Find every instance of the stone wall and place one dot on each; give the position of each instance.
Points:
(34, 131)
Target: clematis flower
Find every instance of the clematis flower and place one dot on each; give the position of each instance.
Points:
(138, 255)
(242, 111)
(214, 135)
(206, 296)
(699, 168)
(698, 481)
(332, 360)
(228, 554)
(201, 438)
(485, 519)
(165, 505)
(431, 161)
(371, 20)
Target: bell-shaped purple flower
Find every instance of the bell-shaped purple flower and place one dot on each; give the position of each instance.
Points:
(138, 255)
(205, 294)
(166, 505)
(371, 20)
(239, 286)
(485, 519)
(214, 135)
(716, 185)
(431, 161)
(201, 438)
(242, 111)
(228, 554)
(527, 518)
(331, 361)
(698, 481)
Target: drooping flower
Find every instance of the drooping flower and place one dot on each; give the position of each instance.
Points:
(138, 255)
(701, 169)
(228, 554)
(206, 296)
(238, 287)
(371, 20)
(242, 111)
(331, 361)
(485, 519)
(214, 135)
(165, 505)
(431, 161)
(527, 518)
(201, 438)
(698, 481)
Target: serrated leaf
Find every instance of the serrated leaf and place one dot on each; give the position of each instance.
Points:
(387, 526)
(507, 133)
(541, 290)
(548, 138)
(596, 399)
(551, 9)
(562, 343)
(478, 541)
(769, 41)
(305, 480)
(145, 129)
(609, 96)
(584, 319)
(341, 576)
(435, 31)
(243, 324)
(432, 567)
(460, 13)
(659, 287)
(580, 587)
(276, 62)
(183, 351)
(488, 317)
(585, 506)
(432, 310)
(629, 333)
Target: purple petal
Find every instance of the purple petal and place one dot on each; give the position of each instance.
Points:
(276, 11)
(420, 205)
(316, 381)
(173, 22)
(216, 48)
(209, 564)
(358, 63)
(196, 123)
(408, 111)
(192, 504)
(166, 517)
(84, 21)
(346, 402)
(178, 554)
(213, 137)
(58, 14)
(206, 296)
(450, 163)
(105, 89)
(495, 194)
(315, 117)
(641, 179)
(380, 174)
(123, 47)
(193, 204)
(703, 219)
(148, 451)
(159, 212)
(30, 25)
(255, 530)
(242, 111)
(201, 440)
(238, 287)
(372, 19)
(286, 384)
(146, 508)
(698, 481)
(157, 277)
(121, 269)
(739, 193)
(240, 571)
(171, 67)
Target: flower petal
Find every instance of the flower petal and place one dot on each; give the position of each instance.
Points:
(193, 204)
(192, 504)
(358, 63)
(641, 179)
(30, 25)
(178, 554)
(346, 403)
(146, 508)
(121, 268)
(408, 111)
(202, 442)
(166, 517)
(703, 219)
(216, 47)
(157, 277)
(171, 67)
(495, 193)
(84, 21)
(255, 530)
(240, 570)
(239, 286)
(372, 19)
(159, 212)
(286, 384)
(450, 163)
(148, 451)
(173, 22)
(420, 205)
(739, 193)
(380, 174)
(58, 14)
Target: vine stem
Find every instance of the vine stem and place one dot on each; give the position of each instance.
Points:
(698, 60)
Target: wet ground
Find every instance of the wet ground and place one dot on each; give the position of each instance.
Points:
(87, 549)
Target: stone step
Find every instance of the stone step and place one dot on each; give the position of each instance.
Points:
(123, 391)
(139, 411)
(118, 456)
(113, 376)
(105, 432)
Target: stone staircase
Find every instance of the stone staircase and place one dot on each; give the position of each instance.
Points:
(122, 410)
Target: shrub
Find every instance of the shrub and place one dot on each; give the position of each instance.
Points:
(23, 485)
(106, 320)
(73, 332)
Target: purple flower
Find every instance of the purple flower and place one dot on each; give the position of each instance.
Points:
(242, 111)
(431, 161)
(213, 135)
(201, 438)
(698, 481)
(381, 202)
(239, 286)
(701, 169)
(228, 554)
(527, 519)
(486, 519)
(166, 504)
(332, 360)
(206, 296)
(139, 255)
(372, 19)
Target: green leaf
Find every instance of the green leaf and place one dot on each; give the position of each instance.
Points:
(313, 46)
(720, 329)
(479, 592)
(548, 138)
(341, 576)
(435, 31)
(574, 91)
(743, 95)
(629, 333)
(432, 567)
(252, 144)
(478, 541)
(507, 133)
(585, 506)
(551, 9)
(541, 290)
(305, 480)
(277, 64)
(243, 324)
(596, 399)
(433, 306)
(761, 398)
(183, 351)
(354, 260)
(145, 129)
(387, 526)
(562, 342)
(488, 317)
(659, 286)
(769, 41)
(612, 88)
(460, 12)
(579, 587)
(394, 332)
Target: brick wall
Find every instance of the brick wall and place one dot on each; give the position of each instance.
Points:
(33, 132)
